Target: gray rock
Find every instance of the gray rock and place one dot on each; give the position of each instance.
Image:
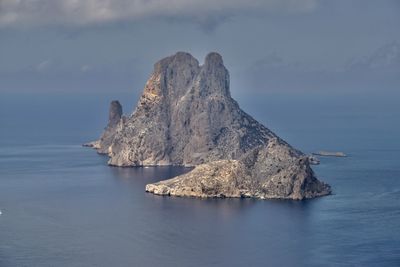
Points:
(93, 144)
(114, 120)
(313, 160)
(330, 154)
(266, 172)
(186, 116)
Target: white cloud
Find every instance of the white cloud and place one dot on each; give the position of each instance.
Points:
(43, 65)
(86, 12)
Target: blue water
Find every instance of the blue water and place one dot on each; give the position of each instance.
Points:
(63, 206)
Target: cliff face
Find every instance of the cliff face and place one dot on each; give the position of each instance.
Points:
(114, 119)
(186, 116)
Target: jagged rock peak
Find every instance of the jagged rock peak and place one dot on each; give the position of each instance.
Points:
(177, 75)
(187, 117)
(180, 59)
(115, 119)
(115, 113)
(213, 59)
(214, 75)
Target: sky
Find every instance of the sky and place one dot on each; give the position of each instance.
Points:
(110, 46)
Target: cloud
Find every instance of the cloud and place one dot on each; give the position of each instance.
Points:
(377, 70)
(90, 12)
(42, 66)
(386, 57)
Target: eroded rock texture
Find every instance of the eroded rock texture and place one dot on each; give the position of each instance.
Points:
(265, 172)
(114, 120)
(186, 116)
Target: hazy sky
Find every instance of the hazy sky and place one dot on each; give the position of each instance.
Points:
(111, 45)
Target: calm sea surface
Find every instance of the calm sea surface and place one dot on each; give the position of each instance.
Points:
(63, 206)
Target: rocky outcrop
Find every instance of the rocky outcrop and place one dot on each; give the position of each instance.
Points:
(114, 120)
(186, 116)
(313, 160)
(266, 172)
(330, 154)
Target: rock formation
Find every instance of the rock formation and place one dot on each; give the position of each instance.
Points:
(186, 116)
(114, 119)
(271, 171)
(330, 154)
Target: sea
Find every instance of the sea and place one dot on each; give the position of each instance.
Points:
(61, 205)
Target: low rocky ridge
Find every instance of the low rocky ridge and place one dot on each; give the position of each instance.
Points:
(330, 154)
(265, 172)
(186, 116)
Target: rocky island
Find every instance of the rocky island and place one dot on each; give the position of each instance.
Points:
(187, 117)
(330, 154)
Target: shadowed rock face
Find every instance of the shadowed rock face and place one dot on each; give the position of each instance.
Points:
(186, 116)
(114, 114)
(114, 119)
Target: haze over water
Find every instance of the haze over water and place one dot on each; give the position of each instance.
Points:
(63, 206)
(323, 75)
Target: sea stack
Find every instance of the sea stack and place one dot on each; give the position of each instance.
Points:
(114, 118)
(186, 116)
